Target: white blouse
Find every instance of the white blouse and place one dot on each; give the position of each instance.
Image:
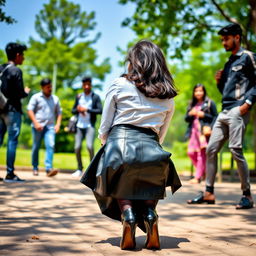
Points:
(125, 104)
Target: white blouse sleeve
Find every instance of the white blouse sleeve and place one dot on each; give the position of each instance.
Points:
(108, 112)
(164, 127)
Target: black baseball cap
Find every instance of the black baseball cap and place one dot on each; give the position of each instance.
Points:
(231, 29)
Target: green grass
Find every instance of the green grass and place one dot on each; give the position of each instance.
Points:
(184, 164)
(68, 160)
(60, 161)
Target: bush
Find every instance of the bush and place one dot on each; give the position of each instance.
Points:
(65, 141)
(179, 148)
(25, 138)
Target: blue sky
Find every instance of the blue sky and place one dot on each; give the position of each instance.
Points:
(109, 15)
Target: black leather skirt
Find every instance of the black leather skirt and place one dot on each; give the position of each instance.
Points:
(131, 165)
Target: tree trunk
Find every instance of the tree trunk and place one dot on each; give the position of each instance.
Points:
(252, 4)
(253, 115)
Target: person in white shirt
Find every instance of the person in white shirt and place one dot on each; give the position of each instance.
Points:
(87, 106)
(130, 172)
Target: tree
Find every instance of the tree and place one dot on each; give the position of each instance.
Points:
(72, 62)
(198, 67)
(64, 30)
(65, 42)
(3, 58)
(3, 16)
(65, 21)
(177, 25)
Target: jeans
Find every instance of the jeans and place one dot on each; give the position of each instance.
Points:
(12, 122)
(48, 133)
(230, 125)
(88, 134)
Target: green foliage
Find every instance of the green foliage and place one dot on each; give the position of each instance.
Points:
(64, 20)
(177, 25)
(199, 66)
(65, 141)
(25, 138)
(64, 29)
(180, 148)
(3, 17)
(3, 58)
(72, 62)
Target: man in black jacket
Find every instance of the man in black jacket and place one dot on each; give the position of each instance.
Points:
(237, 84)
(10, 118)
(86, 107)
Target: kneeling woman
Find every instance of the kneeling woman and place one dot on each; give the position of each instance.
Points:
(130, 172)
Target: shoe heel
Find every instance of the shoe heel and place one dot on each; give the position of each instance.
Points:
(128, 237)
(129, 227)
(151, 224)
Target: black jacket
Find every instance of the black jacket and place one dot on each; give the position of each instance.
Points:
(238, 81)
(96, 107)
(12, 87)
(210, 115)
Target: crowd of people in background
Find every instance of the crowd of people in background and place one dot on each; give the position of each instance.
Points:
(45, 113)
(136, 115)
(236, 83)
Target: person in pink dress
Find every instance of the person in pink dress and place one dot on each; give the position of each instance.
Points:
(201, 114)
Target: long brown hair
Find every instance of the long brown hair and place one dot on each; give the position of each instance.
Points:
(149, 72)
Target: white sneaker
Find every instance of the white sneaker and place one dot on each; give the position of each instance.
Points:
(77, 173)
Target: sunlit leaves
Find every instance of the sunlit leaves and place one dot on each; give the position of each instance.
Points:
(3, 17)
(65, 42)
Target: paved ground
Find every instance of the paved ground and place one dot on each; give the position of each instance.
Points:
(59, 217)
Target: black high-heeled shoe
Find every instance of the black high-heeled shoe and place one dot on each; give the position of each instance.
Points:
(151, 224)
(129, 226)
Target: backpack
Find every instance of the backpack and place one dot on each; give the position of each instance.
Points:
(3, 99)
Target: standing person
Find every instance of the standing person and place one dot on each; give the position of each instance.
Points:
(201, 114)
(237, 85)
(13, 89)
(87, 106)
(130, 172)
(43, 109)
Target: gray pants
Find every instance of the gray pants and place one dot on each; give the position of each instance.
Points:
(88, 134)
(230, 125)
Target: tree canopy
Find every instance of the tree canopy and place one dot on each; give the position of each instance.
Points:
(64, 30)
(177, 25)
(65, 21)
